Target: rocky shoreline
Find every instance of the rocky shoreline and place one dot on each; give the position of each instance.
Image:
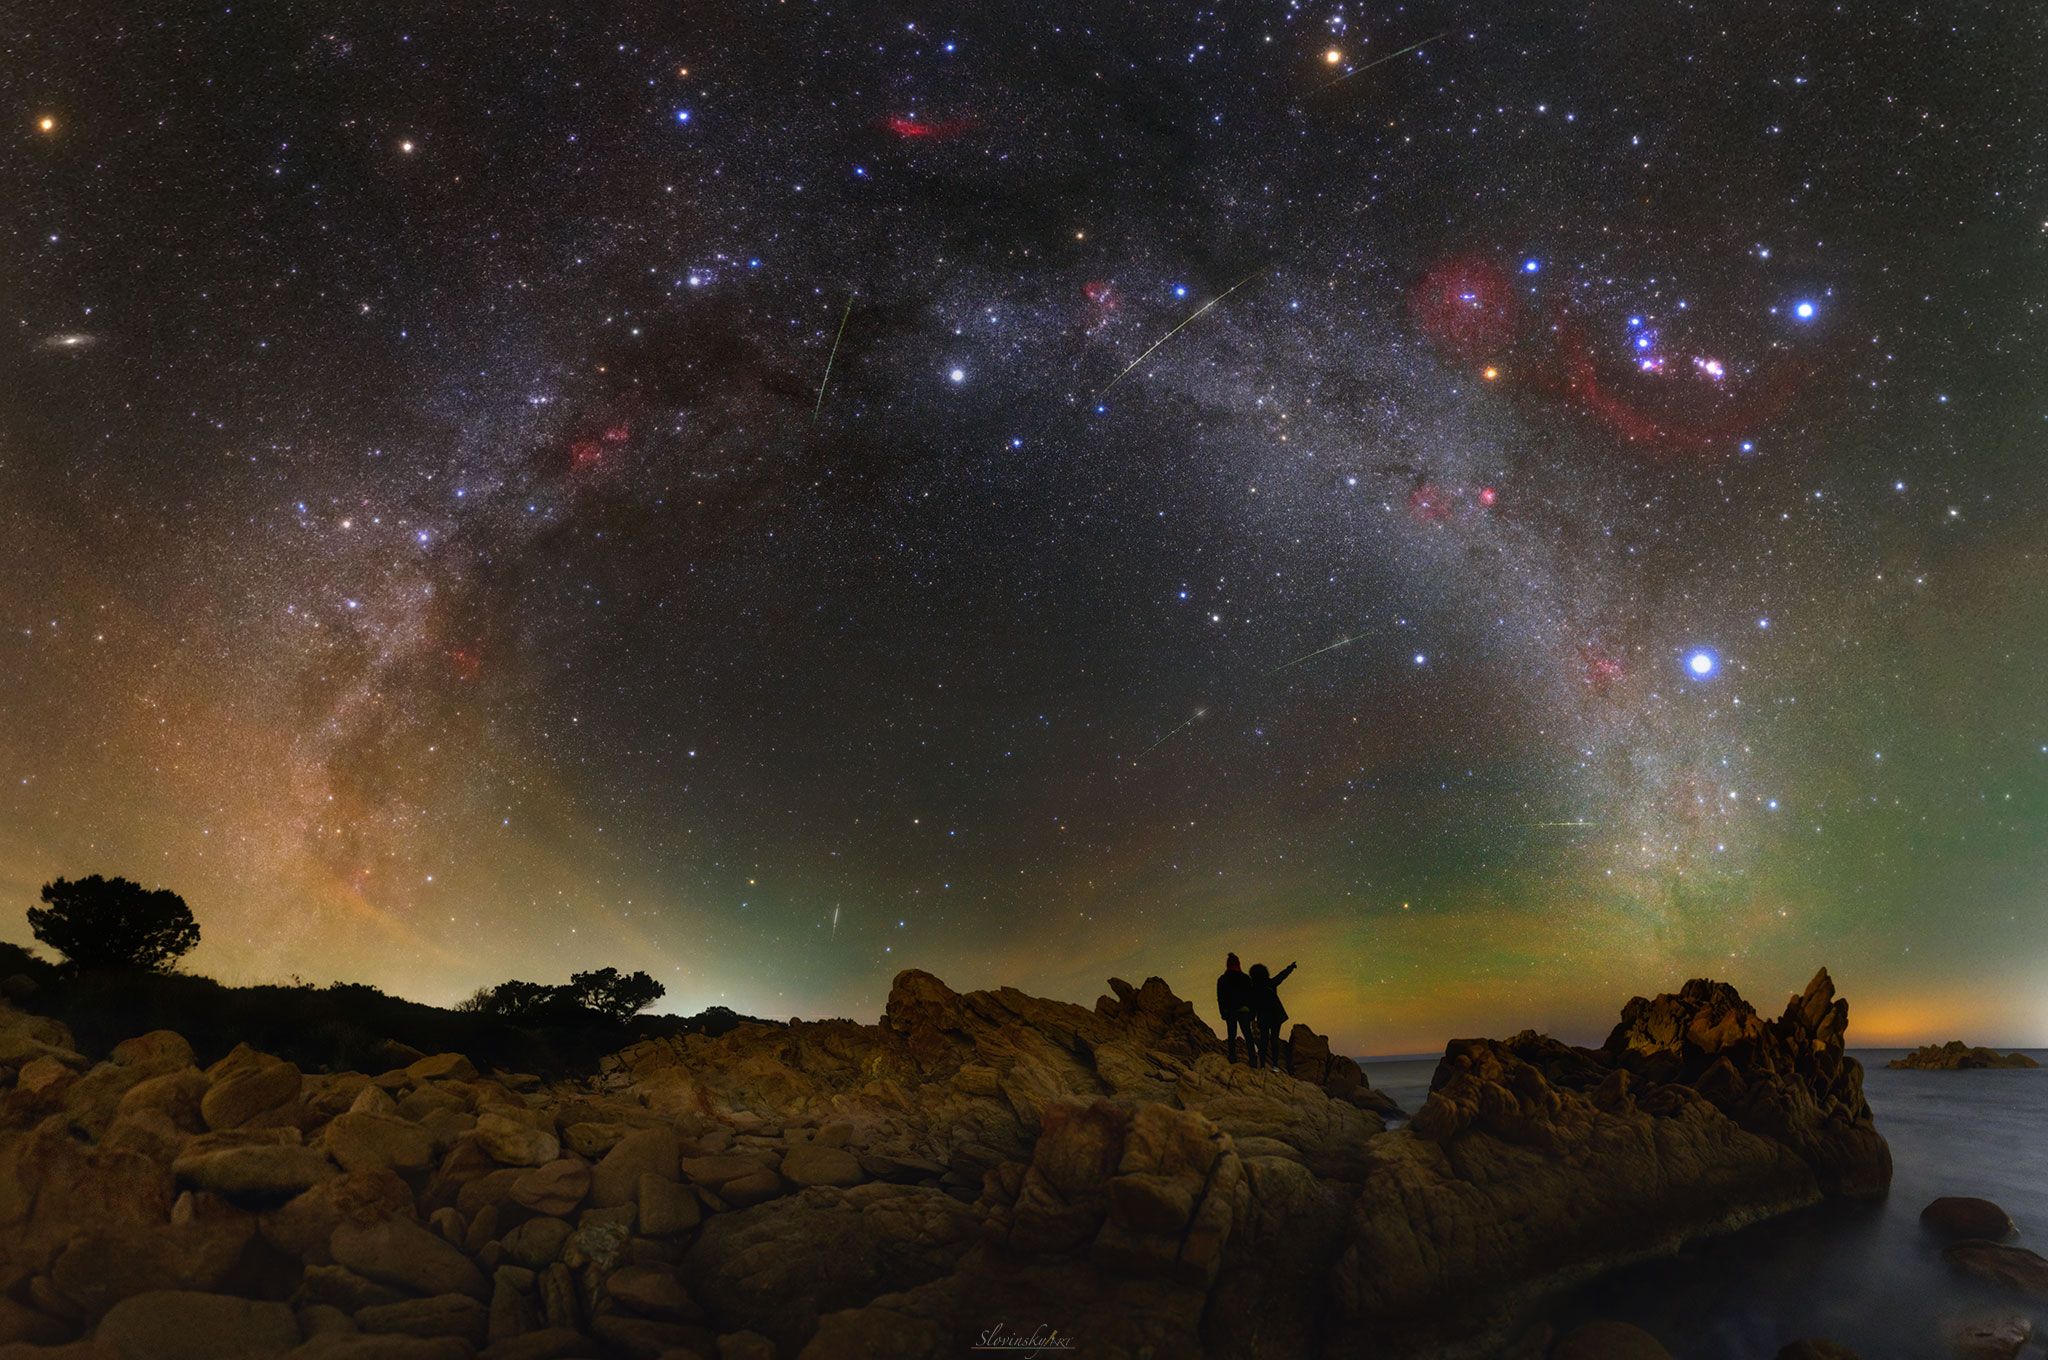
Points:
(1957, 1056)
(977, 1165)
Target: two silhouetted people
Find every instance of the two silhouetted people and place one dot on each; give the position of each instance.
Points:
(1250, 1003)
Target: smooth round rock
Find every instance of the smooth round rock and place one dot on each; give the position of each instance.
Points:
(1967, 1216)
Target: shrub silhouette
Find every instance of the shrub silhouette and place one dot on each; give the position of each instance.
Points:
(112, 923)
(605, 994)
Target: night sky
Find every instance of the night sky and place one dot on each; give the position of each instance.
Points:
(776, 494)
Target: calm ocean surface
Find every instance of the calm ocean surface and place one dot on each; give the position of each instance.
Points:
(1866, 1276)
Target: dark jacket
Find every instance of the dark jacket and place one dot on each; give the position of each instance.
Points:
(1266, 997)
(1233, 993)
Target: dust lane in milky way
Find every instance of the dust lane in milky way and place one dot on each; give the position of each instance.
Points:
(1509, 518)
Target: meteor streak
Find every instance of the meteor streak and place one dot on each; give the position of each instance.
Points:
(1168, 737)
(1340, 642)
(1178, 329)
(1381, 61)
(836, 338)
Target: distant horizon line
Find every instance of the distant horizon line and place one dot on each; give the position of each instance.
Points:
(34, 949)
(1846, 1048)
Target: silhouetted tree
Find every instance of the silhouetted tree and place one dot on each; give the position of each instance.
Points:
(529, 1003)
(614, 995)
(112, 923)
(607, 994)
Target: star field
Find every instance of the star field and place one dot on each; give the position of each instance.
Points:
(1510, 509)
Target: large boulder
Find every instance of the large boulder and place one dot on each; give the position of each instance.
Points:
(810, 1164)
(736, 1178)
(273, 1170)
(25, 1037)
(778, 1267)
(616, 1179)
(303, 1226)
(185, 1325)
(53, 1187)
(441, 1067)
(1150, 1192)
(406, 1256)
(514, 1142)
(1269, 1113)
(440, 1315)
(154, 1053)
(101, 1266)
(367, 1142)
(554, 1188)
(1966, 1216)
(2012, 1267)
(535, 1243)
(177, 1095)
(651, 1291)
(92, 1101)
(1988, 1335)
(248, 1087)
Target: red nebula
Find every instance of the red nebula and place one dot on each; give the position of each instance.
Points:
(1099, 292)
(1674, 418)
(465, 662)
(1468, 305)
(1602, 669)
(913, 129)
(588, 452)
(1473, 310)
(1430, 504)
(1487, 496)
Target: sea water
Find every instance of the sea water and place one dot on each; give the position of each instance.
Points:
(1865, 1275)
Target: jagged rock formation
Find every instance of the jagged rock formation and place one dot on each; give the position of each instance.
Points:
(973, 1164)
(1534, 1165)
(1955, 1055)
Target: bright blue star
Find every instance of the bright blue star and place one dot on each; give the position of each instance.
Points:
(682, 115)
(1804, 311)
(1702, 663)
(1530, 266)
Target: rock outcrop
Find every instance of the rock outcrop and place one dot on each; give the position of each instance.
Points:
(1957, 1056)
(974, 1168)
(1966, 1216)
(1534, 1165)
